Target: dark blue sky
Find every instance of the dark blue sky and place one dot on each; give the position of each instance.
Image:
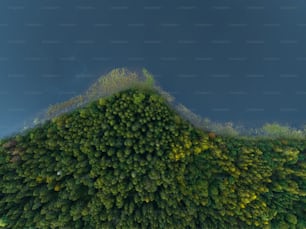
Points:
(241, 61)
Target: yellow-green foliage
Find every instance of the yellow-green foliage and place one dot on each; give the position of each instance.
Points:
(276, 130)
(129, 161)
(148, 77)
(114, 81)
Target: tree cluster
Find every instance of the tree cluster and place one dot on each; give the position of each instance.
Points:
(129, 161)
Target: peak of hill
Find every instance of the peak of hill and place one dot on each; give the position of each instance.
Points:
(121, 79)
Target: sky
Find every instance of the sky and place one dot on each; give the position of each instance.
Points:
(230, 61)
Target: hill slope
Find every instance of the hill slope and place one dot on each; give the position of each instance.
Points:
(130, 161)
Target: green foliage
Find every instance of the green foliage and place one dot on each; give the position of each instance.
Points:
(149, 80)
(292, 219)
(130, 161)
(114, 81)
(138, 98)
(277, 130)
(3, 222)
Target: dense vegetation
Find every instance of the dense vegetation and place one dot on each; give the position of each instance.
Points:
(114, 81)
(130, 161)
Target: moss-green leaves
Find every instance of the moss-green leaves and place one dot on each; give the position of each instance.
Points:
(149, 78)
(138, 98)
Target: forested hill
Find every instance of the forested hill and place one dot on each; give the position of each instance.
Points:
(130, 161)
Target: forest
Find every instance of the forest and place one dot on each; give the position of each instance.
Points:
(129, 160)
